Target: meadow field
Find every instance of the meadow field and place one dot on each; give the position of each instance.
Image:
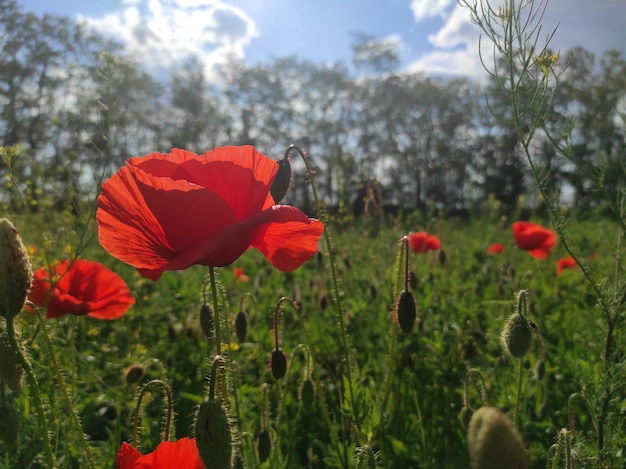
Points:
(405, 399)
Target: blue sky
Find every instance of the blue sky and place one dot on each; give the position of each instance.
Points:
(434, 36)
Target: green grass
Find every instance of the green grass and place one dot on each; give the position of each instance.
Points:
(407, 389)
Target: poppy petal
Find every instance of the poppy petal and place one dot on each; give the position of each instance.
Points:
(181, 453)
(126, 456)
(290, 239)
(240, 175)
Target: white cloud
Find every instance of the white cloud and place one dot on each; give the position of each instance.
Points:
(455, 48)
(163, 33)
(423, 9)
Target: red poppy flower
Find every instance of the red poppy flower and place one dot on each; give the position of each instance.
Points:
(423, 242)
(80, 288)
(240, 275)
(181, 454)
(535, 239)
(565, 263)
(495, 248)
(170, 211)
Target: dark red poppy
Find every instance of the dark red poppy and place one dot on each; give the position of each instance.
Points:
(495, 248)
(170, 211)
(421, 241)
(181, 454)
(80, 288)
(535, 239)
(565, 263)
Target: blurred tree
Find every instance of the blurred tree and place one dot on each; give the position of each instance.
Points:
(594, 98)
(194, 121)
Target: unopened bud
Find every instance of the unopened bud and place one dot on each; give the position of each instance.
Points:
(264, 445)
(494, 441)
(517, 335)
(15, 270)
(213, 435)
(134, 373)
(405, 311)
(307, 393)
(278, 363)
(241, 326)
(283, 179)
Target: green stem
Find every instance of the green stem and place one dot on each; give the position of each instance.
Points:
(518, 391)
(218, 336)
(66, 397)
(169, 411)
(32, 382)
(334, 279)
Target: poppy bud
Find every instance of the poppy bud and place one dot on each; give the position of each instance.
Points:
(207, 321)
(11, 370)
(241, 326)
(282, 181)
(278, 363)
(517, 335)
(405, 311)
(441, 257)
(307, 393)
(213, 435)
(15, 270)
(264, 445)
(9, 427)
(134, 373)
(494, 441)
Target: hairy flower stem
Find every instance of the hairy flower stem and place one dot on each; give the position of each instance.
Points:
(393, 334)
(155, 383)
(34, 387)
(66, 397)
(518, 392)
(218, 337)
(334, 278)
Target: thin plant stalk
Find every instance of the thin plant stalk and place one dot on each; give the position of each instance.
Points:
(218, 337)
(66, 397)
(34, 388)
(334, 279)
(155, 383)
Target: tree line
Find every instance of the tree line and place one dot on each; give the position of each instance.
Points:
(76, 107)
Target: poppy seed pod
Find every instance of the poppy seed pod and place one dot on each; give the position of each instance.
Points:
(278, 363)
(283, 179)
(494, 441)
(213, 435)
(405, 311)
(264, 445)
(15, 270)
(9, 427)
(241, 326)
(517, 335)
(207, 321)
(11, 370)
